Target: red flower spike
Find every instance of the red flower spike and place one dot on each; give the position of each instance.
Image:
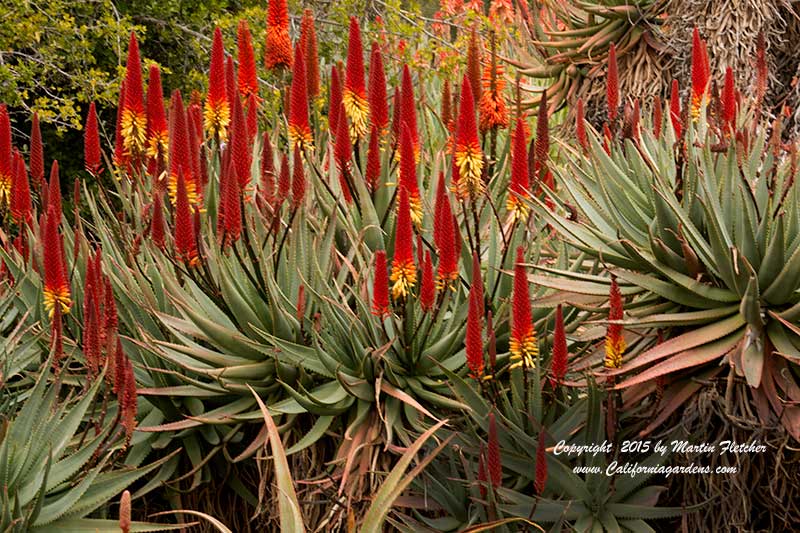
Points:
(615, 342)
(477, 279)
(701, 74)
(657, 117)
(180, 156)
(233, 211)
(675, 110)
(36, 162)
(56, 286)
(252, 119)
(299, 128)
(438, 221)
(380, 287)
(404, 271)
(558, 363)
(522, 345)
(372, 173)
(408, 174)
(301, 304)
(474, 64)
(6, 157)
(520, 179)
(157, 223)
(91, 143)
(54, 191)
(474, 338)
(447, 106)
(612, 85)
(540, 477)
(91, 338)
(121, 159)
(606, 138)
(185, 243)
(342, 152)
(298, 180)
(468, 155)
(408, 111)
(278, 46)
(448, 244)
(217, 111)
(427, 291)
(119, 363)
(729, 102)
(157, 129)
(284, 183)
(308, 40)
(334, 101)
(248, 79)
(240, 147)
(580, 126)
(134, 118)
(226, 174)
(378, 105)
(493, 463)
(21, 204)
(354, 95)
(128, 407)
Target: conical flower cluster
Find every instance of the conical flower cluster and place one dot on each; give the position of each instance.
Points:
(134, 119)
(157, 129)
(467, 154)
(248, 79)
(701, 74)
(56, 286)
(278, 47)
(404, 271)
(354, 95)
(522, 344)
(520, 179)
(299, 126)
(615, 341)
(217, 112)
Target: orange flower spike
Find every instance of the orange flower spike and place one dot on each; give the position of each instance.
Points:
(185, 243)
(91, 143)
(252, 119)
(134, 118)
(380, 287)
(612, 85)
(408, 174)
(468, 155)
(284, 183)
(248, 78)
(378, 105)
(308, 40)
(474, 337)
(540, 476)
(334, 101)
(474, 63)
(6, 157)
(298, 180)
(700, 74)
(217, 111)
(56, 286)
(36, 162)
(427, 291)
(580, 127)
(372, 174)
(404, 271)
(522, 345)
(729, 102)
(675, 110)
(493, 462)
(278, 46)
(408, 109)
(179, 155)
(657, 117)
(615, 342)
(299, 128)
(558, 363)
(520, 179)
(157, 223)
(21, 204)
(233, 211)
(354, 96)
(157, 129)
(445, 239)
(492, 107)
(241, 150)
(54, 190)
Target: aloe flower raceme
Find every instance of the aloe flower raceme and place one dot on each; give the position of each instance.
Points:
(91, 143)
(612, 85)
(56, 286)
(54, 190)
(729, 103)
(540, 476)
(278, 47)
(372, 172)
(493, 461)
(251, 112)
(380, 287)
(308, 41)
(675, 110)
(492, 108)
(6, 157)
(284, 183)
(354, 95)
(657, 117)
(467, 154)
(185, 242)
(522, 344)
(520, 179)
(408, 174)
(217, 111)
(231, 203)
(21, 204)
(179, 152)
(701, 74)
(36, 162)
(444, 228)
(157, 130)
(334, 100)
(342, 153)
(241, 150)
(427, 290)
(134, 118)
(541, 168)
(248, 79)
(473, 343)
(406, 111)
(266, 185)
(558, 363)
(376, 96)
(299, 127)
(473, 60)
(404, 271)
(615, 342)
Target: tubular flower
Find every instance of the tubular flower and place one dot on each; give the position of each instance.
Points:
(372, 173)
(445, 239)
(36, 162)
(56, 287)
(354, 96)
(657, 117)
(612, 84)
(540, 477)
(675, 110)
(252, 118)
(376, 96)
(179, 155)
(54, 190)
(278, 46)
(217, 111)
(284, 183)
(248, 79)
(232, 228)
(342, 152)
(380, 287)
(334, 101)
(474, 64)
(407, 113)
(615, 342)
(241, 151)
(558, 363)
(6, 157)
(473, 343)
(121, 158)
(230, 81)
(492, 106)
(185, 243)
(580, 127)
(157, 223)
(404, 272)
(91, 337)
(408, 174)
(493, 463)
(520, 179)
(729, 102)
(468, 155)
(157, 130)
(298, 180)
(134, 118)
(91, 143)
(308, 41)
(427, 291)
(701, 74)
(299, 128)
(21, 204)
(522, 345)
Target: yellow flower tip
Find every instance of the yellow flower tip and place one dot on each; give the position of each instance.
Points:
(469, 159)
(158, 144)
(301, 136)
(216, 119)
(134, 130)
(5, 188)
(614, 350)
(523, 350)
(416, 209)
(404, 277)
(191, 191)
(517, 207)
(57, 295)
(357, 110)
